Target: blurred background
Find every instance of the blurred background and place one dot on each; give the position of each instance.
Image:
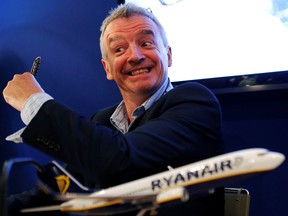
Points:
(66, 35)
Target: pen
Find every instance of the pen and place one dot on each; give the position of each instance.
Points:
(35, 66)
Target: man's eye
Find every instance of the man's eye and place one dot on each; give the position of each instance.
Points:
(147, 43)
(119, 49)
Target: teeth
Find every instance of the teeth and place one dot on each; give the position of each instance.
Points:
(139, 71)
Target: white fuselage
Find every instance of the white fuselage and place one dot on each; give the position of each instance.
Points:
(169, 185)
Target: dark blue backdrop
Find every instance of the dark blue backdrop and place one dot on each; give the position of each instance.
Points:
(66, 34)
(259, 119)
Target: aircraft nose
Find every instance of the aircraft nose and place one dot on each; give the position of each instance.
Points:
(280, 157)
(276, 159)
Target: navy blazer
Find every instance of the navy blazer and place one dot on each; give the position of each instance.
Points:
(183, 126)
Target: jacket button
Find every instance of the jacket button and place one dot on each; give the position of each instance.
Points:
(57, 148)
(40, 139)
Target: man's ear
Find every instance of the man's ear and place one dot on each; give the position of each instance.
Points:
(106, 66)
(169, 54)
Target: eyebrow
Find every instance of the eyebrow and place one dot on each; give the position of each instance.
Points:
(114, 38)
(140, 33)
(147, 32)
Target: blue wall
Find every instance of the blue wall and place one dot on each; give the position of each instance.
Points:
(259, 119)
(66, 34)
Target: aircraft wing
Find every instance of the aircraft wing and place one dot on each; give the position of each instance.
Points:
(143, 201)
(123, 198)
(105, 204)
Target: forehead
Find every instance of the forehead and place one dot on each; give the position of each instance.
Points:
(130, 26)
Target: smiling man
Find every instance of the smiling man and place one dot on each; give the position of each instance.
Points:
(154, 126)
(136, 57)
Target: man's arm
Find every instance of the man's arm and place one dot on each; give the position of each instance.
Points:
(20, 89)
(183, 126)
(24, 94)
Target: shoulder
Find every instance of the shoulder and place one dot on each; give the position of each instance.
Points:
(184, 98)
(192, 86)
(191, 91)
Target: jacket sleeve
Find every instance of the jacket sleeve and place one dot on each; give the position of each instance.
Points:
(183, 126)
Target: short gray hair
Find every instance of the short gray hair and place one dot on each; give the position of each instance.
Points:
(126, 11)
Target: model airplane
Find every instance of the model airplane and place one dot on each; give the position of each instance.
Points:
(179, 183)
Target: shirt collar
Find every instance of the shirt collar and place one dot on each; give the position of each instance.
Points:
(119, 118)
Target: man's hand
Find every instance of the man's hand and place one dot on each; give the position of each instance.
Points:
(20, 88)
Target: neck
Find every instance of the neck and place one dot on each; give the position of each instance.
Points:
(132, 102)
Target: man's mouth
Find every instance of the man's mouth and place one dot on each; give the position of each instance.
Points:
(140, 71)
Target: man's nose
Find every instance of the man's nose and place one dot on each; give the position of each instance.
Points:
(135, 55)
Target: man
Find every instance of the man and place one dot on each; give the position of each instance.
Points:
(155, 125)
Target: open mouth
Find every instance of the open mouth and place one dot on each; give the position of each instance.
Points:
(140, 71)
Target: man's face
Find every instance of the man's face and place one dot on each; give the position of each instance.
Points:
(136, 57)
